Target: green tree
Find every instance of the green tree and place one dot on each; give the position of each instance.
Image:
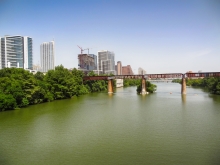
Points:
(7, 102)
(149, 87)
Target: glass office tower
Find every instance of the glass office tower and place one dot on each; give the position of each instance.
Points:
(106, 62)
(16, 51)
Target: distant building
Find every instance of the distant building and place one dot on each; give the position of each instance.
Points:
(47, 55)
(106, 62)
(36, 67)
(126, 70)
(87, 62)
(16, 51)
(119, 68)
(95, 61)
(141, 71)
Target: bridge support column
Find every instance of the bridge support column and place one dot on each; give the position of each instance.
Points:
(143, 90)
(110, 86)
(183, 86)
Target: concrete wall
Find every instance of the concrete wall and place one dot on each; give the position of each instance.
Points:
(119, 83)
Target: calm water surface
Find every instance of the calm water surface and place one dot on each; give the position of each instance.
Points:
(123, 128)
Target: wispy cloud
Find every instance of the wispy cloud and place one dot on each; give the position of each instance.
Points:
(199, 53)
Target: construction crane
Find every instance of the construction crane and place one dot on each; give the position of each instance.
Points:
(88, 50)
(83, 49)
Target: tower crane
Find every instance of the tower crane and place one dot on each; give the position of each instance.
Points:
(83, 49)
(88, 50)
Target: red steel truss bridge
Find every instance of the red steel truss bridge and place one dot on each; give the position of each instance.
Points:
(153, 76)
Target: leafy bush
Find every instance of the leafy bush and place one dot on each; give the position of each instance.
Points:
(148, 86)
(210, 83)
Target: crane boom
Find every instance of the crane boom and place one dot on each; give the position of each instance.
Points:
(83, 49)
(80, 49)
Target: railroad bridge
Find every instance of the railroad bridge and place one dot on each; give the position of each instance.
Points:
(153, 76)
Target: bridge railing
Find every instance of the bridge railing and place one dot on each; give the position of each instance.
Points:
(95, 77)
(204, 74)
(129, 76)
(154, 76)
(166, 75)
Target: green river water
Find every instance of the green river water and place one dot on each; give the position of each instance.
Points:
(163, 128)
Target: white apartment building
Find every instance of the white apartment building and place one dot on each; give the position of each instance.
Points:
(47, 55)
(16, 51)
(106, 62)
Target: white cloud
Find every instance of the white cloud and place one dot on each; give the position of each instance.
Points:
(199, 53)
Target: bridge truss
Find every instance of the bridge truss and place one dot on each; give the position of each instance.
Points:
(155, 76)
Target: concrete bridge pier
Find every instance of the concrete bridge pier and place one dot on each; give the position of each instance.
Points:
(143, 90)
(183, 86)
(110, 86)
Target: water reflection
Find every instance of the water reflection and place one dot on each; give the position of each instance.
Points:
(216, 98)
(183, 98)
(143, 97)
(110, 95)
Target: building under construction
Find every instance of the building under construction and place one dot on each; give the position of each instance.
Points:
(87, 62)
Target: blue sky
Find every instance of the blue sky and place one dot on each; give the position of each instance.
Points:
(161, 36)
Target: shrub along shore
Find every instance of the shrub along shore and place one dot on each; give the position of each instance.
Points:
(210, 83)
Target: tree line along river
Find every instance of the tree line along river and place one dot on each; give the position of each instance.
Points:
(20, 88)
(124, 128)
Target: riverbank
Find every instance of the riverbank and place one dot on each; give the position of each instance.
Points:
(20, 88)
(212, 84)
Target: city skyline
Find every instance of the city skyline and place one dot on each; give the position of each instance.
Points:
(158, 36)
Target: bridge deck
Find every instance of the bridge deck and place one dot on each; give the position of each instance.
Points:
(153, 76)
(204, 74)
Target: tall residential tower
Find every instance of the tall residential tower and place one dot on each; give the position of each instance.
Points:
(106, 62)
(47, 56)
(16, 51)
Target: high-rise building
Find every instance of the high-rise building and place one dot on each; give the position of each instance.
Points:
(47, 56)
(119, 68)
(87, 62)
(141, 71)
(106, 62)
(2, 50)
(16, 51)
(126, 70)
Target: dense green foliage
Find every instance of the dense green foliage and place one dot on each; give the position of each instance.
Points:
(149, 87)
(137, 82)
(177, 81)
(211, 83)
(131, 82)
(96, 85)
(19, 88)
